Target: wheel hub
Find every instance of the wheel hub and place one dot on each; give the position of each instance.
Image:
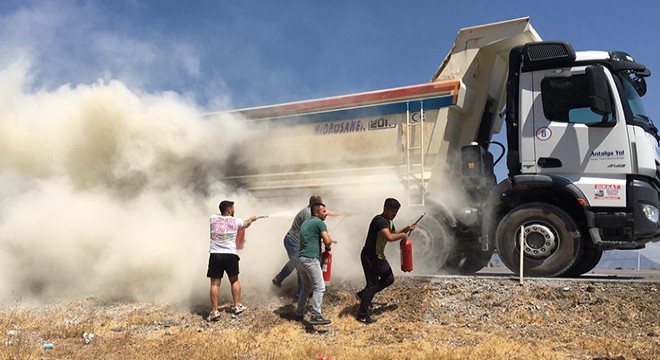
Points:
(431, 245)
(424, 241)
(539, 241)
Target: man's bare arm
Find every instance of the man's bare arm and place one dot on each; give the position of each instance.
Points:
(249, 221)
(387, 234)
(327, 240)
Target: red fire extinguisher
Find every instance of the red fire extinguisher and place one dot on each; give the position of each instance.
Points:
(406, 255)
(240, 238)
(326, 265)
(407, 252)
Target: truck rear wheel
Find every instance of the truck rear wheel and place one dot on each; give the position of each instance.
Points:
(469, 259)
(436, 250)
(551, 244)
(432, 246)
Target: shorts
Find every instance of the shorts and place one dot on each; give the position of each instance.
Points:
(221, 263)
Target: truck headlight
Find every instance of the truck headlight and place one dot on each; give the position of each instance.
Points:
(651, 212)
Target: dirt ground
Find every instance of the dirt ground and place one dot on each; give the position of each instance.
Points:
(417, 318)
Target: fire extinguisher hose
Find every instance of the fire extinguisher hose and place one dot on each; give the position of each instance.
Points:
(420, 218)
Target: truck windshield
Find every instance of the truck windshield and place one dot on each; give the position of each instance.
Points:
(631, 96)
(634, 100)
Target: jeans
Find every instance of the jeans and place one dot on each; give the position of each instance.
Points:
(292, 248)
(312, 279)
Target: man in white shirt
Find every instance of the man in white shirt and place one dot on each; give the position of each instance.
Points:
(223, 256)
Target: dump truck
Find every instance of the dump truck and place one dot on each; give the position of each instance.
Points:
(581, 154)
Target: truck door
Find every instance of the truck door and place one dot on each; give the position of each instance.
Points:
(571, 141)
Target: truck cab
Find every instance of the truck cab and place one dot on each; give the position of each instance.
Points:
(582, 160)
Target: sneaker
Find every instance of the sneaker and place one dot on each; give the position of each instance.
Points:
(319, 320)
(366, 319)
(277, 282)
(239, 309)
(214, 315)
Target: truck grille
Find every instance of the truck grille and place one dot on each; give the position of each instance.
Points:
(547, 51)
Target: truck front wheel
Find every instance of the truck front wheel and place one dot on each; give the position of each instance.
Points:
(551, 241)
(589, 259)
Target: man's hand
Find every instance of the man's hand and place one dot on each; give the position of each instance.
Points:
(250, 220)
(409, 228)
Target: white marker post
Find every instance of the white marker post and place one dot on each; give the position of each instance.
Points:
(522, 251)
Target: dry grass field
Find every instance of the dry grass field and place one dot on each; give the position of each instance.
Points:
(418, 318)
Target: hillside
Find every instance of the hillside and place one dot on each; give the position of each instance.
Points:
(627, 260)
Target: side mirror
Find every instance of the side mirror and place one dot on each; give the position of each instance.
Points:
(599, 92)
(639, 82)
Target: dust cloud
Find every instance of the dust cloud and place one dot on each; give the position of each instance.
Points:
(106, 192)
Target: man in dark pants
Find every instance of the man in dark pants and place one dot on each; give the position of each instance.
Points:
(377, 270)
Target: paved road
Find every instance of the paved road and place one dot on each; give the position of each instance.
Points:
(596, 274)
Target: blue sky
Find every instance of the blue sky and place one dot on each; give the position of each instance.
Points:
(233, 54)
(237, 54)
(262, 52)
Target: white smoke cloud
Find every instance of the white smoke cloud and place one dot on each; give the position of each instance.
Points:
(106, 189)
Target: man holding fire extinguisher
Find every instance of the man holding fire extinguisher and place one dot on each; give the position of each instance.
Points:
(223, 257)
(313, 232)
(377, 270)
(292, 245)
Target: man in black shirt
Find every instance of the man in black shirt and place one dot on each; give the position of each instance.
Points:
(377, 270)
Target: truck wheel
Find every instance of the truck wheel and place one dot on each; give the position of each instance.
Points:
(590, 258)
(432, 246)
(469, 259)
(552, 243)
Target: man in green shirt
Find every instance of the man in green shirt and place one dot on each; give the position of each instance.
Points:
(312, 232)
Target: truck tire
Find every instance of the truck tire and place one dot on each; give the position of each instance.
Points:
(552, 242)
(469, 259)
(589, 259)
(432, 246)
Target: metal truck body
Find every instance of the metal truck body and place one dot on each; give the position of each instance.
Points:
(582, 155)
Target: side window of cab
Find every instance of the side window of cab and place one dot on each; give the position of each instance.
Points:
(566, 99)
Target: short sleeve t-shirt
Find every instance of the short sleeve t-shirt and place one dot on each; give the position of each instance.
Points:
(223, 234)
(375, 243)
(300, 218)
(310, 237)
